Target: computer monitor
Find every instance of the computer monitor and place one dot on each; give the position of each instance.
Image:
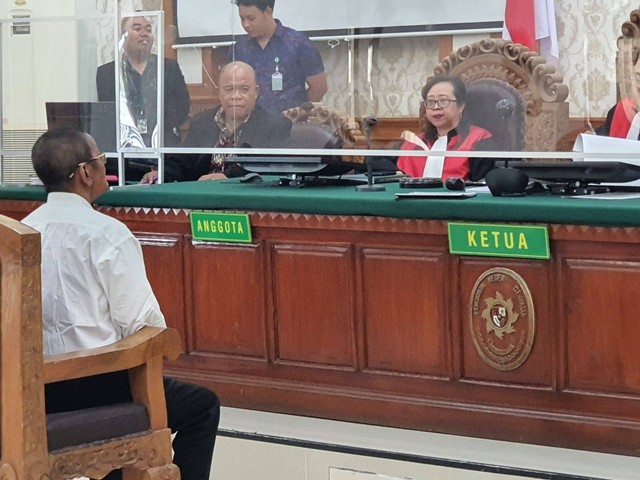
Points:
(98, 119)
(581, 173)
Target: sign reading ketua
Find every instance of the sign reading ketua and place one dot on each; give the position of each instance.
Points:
(499, 240)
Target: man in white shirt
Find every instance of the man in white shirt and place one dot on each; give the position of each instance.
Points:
(95, 291)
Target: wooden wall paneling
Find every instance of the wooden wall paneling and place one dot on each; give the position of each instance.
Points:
(537, 370)
(18, 209)
(164, 265)
(405, 306)
(387, 133)
(313, 294)
(228, 299)
(601, 307)
(236, 296)
(204, 95)
(170, 28)
(445, 45)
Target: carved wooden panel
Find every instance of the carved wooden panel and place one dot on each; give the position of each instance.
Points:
(405, 288)
(313, 294)
(164, 265)
(536, 371)
(228, 299)
(601, 310)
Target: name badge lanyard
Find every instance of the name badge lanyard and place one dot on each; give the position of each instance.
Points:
(276, 78)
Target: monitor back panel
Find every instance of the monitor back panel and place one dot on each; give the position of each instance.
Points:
(98, 119)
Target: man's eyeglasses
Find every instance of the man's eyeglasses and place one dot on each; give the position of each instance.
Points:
(102, 157)
(440, 102)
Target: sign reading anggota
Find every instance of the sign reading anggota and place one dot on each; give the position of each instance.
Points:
(502, 318)
(221, 227)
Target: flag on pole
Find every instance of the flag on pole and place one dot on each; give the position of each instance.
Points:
(533, 24)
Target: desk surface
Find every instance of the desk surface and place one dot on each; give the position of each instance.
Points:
(345, 200)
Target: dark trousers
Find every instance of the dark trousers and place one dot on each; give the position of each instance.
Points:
(193, 413)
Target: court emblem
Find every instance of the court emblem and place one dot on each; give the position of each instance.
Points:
(502, 318)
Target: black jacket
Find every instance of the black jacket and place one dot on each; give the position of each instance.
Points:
(262, 130)
(176, 95)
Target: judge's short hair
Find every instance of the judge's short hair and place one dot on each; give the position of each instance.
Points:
(261, 4)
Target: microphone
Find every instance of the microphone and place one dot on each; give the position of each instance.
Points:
(504, 108)
(368, 124)
(507, 182)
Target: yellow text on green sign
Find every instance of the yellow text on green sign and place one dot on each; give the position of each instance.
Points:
(221, 227)
(498, 240)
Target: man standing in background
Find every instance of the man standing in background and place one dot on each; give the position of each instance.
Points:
(288, 67)
(140, 77)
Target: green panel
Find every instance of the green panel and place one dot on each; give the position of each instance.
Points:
(221, 227)
(498, 240)
(231, 195)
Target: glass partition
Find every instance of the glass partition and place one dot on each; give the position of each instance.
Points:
(181, 115)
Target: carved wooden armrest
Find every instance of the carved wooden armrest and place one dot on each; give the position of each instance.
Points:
(134, 350)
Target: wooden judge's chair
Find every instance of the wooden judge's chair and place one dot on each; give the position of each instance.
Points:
(512, 92)
(318, 127)
(628, 44)
(85, 443)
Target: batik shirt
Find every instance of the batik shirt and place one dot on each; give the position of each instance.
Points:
(296, 59)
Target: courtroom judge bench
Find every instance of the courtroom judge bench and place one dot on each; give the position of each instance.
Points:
(349, 305)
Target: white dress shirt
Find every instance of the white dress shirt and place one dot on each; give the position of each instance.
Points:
(95, 289)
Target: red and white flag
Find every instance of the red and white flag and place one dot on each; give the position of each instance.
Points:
(533, 24)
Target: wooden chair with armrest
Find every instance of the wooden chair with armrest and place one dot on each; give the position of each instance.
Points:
(86, 443)
(495, 70)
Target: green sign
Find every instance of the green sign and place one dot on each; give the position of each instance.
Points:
(498, 240)
(221, 227)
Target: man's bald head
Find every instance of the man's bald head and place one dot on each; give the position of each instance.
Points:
(238, 91)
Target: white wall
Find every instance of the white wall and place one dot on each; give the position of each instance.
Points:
(38, 67)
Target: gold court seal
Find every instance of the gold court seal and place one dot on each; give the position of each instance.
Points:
(502, 318)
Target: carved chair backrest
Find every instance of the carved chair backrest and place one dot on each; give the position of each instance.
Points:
(26, 431)
(318, 126)
(315, 113)
(627, 55)
(543, 95)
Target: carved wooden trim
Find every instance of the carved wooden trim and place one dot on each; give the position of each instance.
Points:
(631, 28)
(340, 122)
(527, 71)
(362, 223)
(628, 49)
(543, 93)
(147, 452)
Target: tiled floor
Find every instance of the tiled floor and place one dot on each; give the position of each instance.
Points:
(283, 447)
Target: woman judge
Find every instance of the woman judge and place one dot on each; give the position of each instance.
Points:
(447, 130)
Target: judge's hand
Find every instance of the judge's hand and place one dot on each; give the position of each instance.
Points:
(150, 177)
(213, 176)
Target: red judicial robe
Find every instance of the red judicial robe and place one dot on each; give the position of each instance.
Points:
(453, 166)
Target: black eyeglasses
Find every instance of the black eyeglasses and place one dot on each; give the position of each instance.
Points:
(102, 157)
(440, 102)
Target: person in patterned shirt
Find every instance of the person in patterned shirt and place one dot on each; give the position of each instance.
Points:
(288, 67)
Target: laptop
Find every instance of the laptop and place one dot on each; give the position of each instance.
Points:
(98, 119)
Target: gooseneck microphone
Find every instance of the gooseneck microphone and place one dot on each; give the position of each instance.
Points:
(368, 123)
(505, 109)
